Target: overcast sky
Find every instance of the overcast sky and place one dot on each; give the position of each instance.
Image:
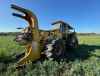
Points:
(83, 15)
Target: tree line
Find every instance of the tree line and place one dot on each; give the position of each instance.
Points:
(14, 33)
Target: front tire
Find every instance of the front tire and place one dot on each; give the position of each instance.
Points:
(55, 49)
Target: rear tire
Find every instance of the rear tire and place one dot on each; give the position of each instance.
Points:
(72, 41)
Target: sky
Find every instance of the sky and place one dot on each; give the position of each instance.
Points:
(83, 15)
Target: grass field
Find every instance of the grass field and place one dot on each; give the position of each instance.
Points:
(84, 61)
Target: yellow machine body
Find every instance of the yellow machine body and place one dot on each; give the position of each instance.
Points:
(34, 39)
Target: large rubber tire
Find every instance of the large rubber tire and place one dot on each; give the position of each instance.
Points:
(72, 41)
(75, 42)
(55, 49)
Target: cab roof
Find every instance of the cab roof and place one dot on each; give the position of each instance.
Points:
(63, 23)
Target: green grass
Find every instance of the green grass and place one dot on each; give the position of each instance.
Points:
(84, 61)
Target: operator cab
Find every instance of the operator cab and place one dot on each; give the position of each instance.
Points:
(62, 26)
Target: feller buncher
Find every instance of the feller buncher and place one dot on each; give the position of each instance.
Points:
(52, 43)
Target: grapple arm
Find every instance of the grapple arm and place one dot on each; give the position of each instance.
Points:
(32, 49)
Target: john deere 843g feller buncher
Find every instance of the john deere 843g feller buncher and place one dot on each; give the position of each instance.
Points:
(52, 43)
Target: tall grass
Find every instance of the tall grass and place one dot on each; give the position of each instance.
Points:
(84, 61)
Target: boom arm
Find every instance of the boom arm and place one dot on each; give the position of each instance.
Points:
(32, 49)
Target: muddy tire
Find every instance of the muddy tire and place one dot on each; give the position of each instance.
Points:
(55, 49)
